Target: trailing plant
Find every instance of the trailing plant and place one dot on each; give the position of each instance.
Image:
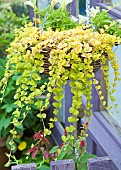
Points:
(8, 102)
(67, 56)
(72, 55)
(7, 107)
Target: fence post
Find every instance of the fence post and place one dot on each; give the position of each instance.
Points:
(31, 166)
(62, 165)
(101, 163)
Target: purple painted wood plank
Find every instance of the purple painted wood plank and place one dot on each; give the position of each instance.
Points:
(93, 2)
(101, 163)
(31, 13)
(57, 132)
(95, 98)
(108, 128)
(62, 165)
(115, 13)
(68, 102)
(73, 12)
(31, 166)
(103, 139)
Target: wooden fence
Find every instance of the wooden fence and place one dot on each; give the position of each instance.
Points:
(101, 163)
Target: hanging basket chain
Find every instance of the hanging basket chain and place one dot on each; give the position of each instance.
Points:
(46, 16)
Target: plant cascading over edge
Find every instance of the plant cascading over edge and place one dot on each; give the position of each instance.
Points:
(72, 55)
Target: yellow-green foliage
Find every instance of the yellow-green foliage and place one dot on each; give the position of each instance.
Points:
(71, 56)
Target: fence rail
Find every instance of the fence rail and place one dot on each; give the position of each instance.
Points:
(100, 163)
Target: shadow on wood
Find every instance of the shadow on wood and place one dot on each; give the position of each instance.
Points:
(31, 166)
(62, 165)
(101, 163)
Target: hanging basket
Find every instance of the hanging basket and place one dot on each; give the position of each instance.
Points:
(46, 52)
(49, 42)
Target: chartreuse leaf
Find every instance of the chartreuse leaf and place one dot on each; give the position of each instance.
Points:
(47, 131)
(26, 73)
(59, 97)
(55, 112)
(70, 128)
(57, 90)
(64, 138)
(95, 81)
(57, 104)
(53, 119)
(17, 96)
(9, 143)
(39, 103)
(51, 125)
(72, 119)
(35, 76)
(41, 115)
(71, 110)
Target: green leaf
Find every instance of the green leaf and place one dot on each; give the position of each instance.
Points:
(45, 167)
(17, 140)
(54, 149)
(62, 155)
(8, 145)
(2, 121)
(82, 166)
(70, 156)
(10, 108)
(9, 89)
(84, 158)
(20, 127)
(7, 122)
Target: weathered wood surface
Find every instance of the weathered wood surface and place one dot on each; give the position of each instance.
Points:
(100, 163)
(62, 165)
(31, 166)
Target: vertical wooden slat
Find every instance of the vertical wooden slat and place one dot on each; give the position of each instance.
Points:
(31, 166)
(68, 103)
(101, 163)
(62, 165)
